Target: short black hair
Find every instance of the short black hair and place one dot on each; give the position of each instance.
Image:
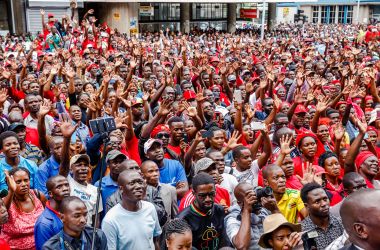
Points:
(26, 98)
(324, 157)
(331, 111)
(66, 202)
(18, 169)
(269, 169)
(348, 178)
(6, 135)
(280, 115)
(50, 182)
(211, 131)
(266, 99)
(236, 152)
(308, 188)
(202, 179)
(174, 119)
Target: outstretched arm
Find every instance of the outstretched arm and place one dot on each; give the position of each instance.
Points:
(349, 164)
(67, 129)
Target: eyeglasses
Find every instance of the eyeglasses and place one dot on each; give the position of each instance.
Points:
(162, 135)
(204, 195)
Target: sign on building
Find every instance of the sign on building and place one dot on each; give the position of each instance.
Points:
(146, 11)
(248, 13)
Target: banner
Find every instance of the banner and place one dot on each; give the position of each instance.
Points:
(248, 13)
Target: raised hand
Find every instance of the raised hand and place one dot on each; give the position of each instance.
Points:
(165, 107)
(339, 131)
(67, 127)
(44, 108)
(233, 141)
(323, 104)
(285, 142)
(12, 186)
(248, 110)
(199, 97)
(3, 95)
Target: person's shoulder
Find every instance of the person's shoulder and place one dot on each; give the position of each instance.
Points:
(172, 163)
(168, 187)
(292, 193)
(218, 209)
(29, 164)
(52, 243)
(185, 213)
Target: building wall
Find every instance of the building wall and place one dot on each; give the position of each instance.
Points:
(363, 13)
(119, 15)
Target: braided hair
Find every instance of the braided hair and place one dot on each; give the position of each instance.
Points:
(178, 226)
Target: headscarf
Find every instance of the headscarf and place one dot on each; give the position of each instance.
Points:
(308, 133)
(362, 156)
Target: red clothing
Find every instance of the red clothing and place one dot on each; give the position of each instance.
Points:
(293, 183)
(336, 197)
(4, 245)
(132, 148)
(222, 197)
(176, 149)
(16, 94)
(19, 230)
(299, 165)
(32, 136)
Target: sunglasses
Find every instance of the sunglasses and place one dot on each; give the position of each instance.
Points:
(163, 135)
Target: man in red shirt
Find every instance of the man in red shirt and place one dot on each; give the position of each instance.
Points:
(177, 134)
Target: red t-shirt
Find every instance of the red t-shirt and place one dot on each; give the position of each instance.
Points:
(133, 149)
(293, 183)
(222, 197)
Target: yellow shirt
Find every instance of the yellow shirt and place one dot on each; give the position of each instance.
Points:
(290, 204)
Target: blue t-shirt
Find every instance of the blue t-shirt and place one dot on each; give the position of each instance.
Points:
(47, 225)
(172, 172)
(109, 187)
(28, 164)
(47, 169)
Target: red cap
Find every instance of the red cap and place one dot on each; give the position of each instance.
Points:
(40, 53)
(300, 109)
(159, 128)
(189, 94)
(167, 64)
(41, 35)
(92, 66)
(336, 82)
(76, 31)
(214, 59)
(50, 15)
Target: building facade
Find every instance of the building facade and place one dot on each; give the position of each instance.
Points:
(328, 11)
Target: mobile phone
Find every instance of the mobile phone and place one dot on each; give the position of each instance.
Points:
(257, 126)
(237, 96)
(185, 137)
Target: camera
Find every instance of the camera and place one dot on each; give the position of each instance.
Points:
(102, 125)
(308, 239)
(260, 193)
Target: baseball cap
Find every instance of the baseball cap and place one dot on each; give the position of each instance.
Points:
(15, 126)
(203, 164)
(245, 72)
(189, 94)
(137, 101)
(149, 144)
(113, 154)
(231, 78)
(214, 59)
(78, 157)
(50, 15)
(300, 109)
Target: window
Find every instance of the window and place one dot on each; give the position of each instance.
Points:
(315, 14)
(209, 11)
(349, 14)
(332, 14)
(163, 12)
(324, 17)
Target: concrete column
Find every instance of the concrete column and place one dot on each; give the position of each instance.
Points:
(185, 17)
(231, 17)
(18, 13)
(271, 15)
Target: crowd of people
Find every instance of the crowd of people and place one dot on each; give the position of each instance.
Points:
(220, 141)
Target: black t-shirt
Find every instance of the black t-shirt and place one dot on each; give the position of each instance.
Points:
(208, 230)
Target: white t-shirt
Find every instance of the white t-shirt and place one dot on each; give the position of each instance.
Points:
(229, 183)
(88, 195)
(131, 230)
(250, 176)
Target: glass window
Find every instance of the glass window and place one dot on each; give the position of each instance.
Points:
(349, 14)
(315, 14)
(332, 14)
(324, 17)
(4, 15)
(202, 11)
(163, 12)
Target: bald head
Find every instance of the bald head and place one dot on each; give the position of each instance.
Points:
(241, 189)
(146, 165)
(270, 169)
(360, 214)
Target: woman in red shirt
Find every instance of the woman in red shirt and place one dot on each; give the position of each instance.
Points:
(310, 148)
